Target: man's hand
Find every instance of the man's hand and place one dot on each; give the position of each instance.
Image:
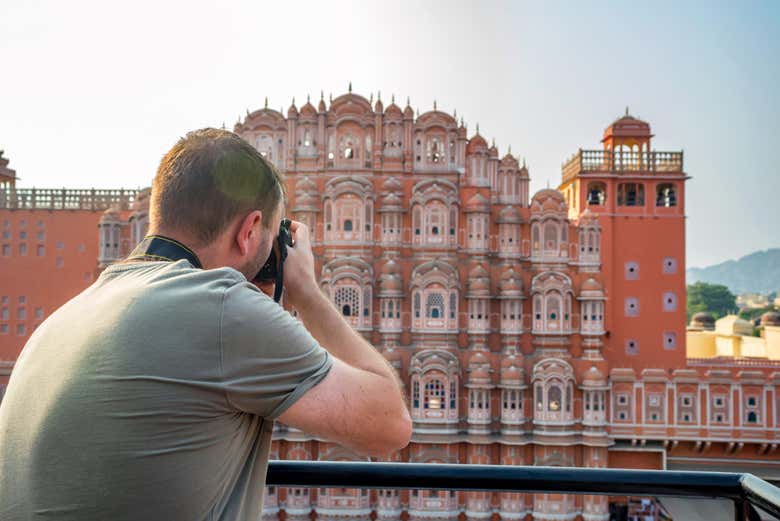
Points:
(299, 279)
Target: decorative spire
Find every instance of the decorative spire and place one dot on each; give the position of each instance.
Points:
(331, 97)
(392, 98)
(307, 98)
(407, 101)
(462, 123)
(223, 128)
(493, 144)
(418, 112)
(322, 95)
(266, 102)
(293, 103)
(434, 104)
(523, 161)
(350, 87)
(510, 150)
(247, 112)
(371, 99)
(379, 95)
(477, 128)
(626, 110)
(455, 115)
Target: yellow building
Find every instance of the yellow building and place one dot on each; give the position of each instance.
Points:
(732, 337)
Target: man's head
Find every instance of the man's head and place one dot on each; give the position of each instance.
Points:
(217, 194)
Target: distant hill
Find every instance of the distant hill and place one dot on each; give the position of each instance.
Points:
(758, 272)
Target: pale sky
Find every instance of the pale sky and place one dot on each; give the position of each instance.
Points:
(93, 93)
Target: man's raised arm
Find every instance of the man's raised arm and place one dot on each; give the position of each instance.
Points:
(359, 404)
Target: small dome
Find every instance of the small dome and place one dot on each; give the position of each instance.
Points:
(702, 320)
(391, 283)
(509, 161)
(733, 325)
(306, 184)
(511, 282)
(391, 268)
(378, 107)
(548, 193)
(408, 112)
(393, 111)
(478, 203)
(306, 199)
(588, 217)
(479, 358)
(479, 375)
(478, 272)
(770, 318)
(392, 183)
(110, 215)
(509, 215)
(628, 126)
(593, 378)
(493, 151)
(591, 285)
(392, 355)
(308, 110)
(476, 144)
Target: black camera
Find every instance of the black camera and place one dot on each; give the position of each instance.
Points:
(273, 269)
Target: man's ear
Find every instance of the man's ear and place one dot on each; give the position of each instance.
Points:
(249, 231)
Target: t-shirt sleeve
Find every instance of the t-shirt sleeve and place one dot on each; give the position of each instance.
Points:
(269, 359)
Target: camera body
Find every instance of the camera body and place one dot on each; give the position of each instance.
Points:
(273, 269)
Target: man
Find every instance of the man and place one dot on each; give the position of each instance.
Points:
(152, 394)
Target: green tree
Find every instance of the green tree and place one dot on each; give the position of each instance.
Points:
(713, 298)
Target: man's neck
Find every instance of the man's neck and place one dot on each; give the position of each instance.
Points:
(207, 255)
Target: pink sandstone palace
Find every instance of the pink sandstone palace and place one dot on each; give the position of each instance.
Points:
(528, 330)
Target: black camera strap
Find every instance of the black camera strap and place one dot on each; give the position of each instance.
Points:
(159, 248)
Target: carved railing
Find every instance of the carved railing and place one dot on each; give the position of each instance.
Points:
(65, 199)
(617, 161)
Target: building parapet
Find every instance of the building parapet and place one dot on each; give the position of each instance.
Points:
(621, 162)
(65, 199)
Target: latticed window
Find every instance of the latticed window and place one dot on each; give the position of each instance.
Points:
(453, 304)
(453, 393)
(416, 394)
(434, 395)
(347, 300)
(435, 151)
(434, 305)
(417, 305)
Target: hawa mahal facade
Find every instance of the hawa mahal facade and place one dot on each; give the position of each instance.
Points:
(527, 329)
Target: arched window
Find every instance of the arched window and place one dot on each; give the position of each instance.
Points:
(435, 222)
(666, 195)
(348, 147)
(434, 305)
(417, 304)
(551, 237)
(435, 151)
(416, 394)
(535, 237)
(631, 194)
(597, 194)
(307, 138)
(348, 225)
(554, 399)
(434, 395)
(347, 299)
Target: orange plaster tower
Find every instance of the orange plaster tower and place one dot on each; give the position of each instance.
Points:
(638, 195)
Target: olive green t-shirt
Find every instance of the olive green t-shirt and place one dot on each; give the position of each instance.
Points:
(151, 396)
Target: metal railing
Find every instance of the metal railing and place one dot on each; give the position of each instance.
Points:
(745, 490)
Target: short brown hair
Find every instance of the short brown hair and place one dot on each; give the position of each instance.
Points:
(209, 178)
